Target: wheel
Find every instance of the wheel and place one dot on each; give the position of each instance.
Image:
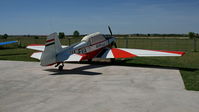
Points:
(61, 68)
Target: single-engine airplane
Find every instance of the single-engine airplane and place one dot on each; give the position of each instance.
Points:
(9, 42)
(91, 46)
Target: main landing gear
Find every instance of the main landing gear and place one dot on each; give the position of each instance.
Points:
(60, 66)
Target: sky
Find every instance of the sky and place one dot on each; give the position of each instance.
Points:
(20, 17)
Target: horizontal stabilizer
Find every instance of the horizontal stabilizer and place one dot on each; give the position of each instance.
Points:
(63, 56)
(71, 58)
(36, 55)
(39, 47)
(36, 47)
(74, 57)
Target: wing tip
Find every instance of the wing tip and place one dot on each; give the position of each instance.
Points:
(173, 52)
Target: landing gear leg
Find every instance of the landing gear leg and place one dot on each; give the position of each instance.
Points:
(61, 67)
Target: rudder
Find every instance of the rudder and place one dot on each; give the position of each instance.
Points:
(52, 48)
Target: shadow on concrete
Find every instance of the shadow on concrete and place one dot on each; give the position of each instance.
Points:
(124, 63)
(156, 66)
(77, 71)
(98, 64)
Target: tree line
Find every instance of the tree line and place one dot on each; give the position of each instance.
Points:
(77, 34)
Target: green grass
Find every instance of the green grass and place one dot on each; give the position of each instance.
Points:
(16, 54)
(187, 64)
(158, 43)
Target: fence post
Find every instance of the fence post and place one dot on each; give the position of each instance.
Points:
(19, 43)
(69, 41)
(127, 41)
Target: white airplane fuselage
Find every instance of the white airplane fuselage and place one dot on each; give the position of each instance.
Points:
(90, 47)
(84, 47)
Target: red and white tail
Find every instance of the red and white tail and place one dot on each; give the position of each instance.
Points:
(52, 48)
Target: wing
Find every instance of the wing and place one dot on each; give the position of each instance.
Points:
(39, 47)
(129, 53)
(9, 42)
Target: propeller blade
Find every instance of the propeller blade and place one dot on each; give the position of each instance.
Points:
(110, 30)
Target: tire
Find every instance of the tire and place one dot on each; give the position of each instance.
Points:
(61, 68)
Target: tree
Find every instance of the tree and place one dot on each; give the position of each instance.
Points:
(197, 35)
(76, 33)
(137, 35)
(191, 35)
(36, 37)
(5, 36)
(61, 35)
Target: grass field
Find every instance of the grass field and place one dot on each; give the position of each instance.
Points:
(188, 64)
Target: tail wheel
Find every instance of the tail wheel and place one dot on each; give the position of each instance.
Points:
(61, 67)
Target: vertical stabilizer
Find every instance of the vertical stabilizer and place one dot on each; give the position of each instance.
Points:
(52, 48)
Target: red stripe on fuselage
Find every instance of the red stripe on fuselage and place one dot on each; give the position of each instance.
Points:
(117, 53)
(90, 55)
(98, 42)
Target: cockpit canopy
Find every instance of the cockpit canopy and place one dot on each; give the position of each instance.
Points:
(94, 38)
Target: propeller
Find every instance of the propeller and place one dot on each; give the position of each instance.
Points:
(114, 43)
(110, 30)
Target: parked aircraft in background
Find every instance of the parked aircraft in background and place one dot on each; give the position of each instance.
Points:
(91, 46)
(9, 42)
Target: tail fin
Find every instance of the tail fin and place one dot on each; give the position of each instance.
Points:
(52, 48)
